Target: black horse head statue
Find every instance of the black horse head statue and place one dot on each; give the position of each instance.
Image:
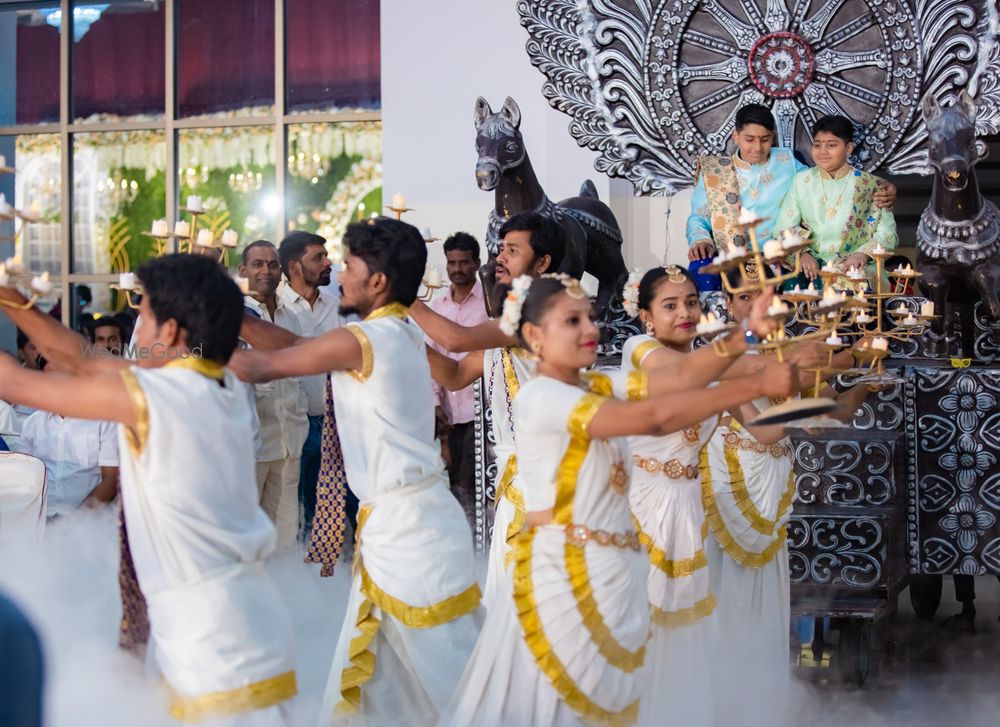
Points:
(498, 142)
(593, 238)
(953, 149)
(958, 238)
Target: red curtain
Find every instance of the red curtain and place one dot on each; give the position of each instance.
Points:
(225, 59)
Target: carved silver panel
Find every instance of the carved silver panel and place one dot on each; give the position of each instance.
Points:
(956, 492)
(652, 84)
(838, 551)
(847, 473)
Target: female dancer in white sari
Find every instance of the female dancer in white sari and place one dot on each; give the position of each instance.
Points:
(665, 499)
(748, 488)
(569, 646)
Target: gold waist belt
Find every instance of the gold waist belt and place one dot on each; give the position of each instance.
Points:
(579, 535)
(673, 468)
(734, 441)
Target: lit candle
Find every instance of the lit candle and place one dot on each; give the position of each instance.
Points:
(126, 281)
(830, 295)
(863, 317)
(193, 203)
(746, 216)
(205, 239)
(40, 283)
(834, 340)
(14, 265)
(160, 228)
(880, 344)
(777, 307)
(182, 228)
(910, 320)
(773, 249)
(35, 208)
(860, 297)
(830, 268)
(792, 239)
(243, 284)
(879, 250)
(811, 290)
(229, 238)
(855, 273)
(4, 277)
(901, 308)
(927, 308)
(398, 202)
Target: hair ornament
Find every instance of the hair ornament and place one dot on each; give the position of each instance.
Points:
(630, 293)
(674, 274)
(571, 284)
(512, 304)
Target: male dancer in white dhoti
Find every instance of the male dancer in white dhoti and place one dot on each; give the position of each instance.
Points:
(530, 245)
(216, 625)
(410, 623)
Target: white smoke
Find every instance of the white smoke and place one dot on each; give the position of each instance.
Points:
(68, 588)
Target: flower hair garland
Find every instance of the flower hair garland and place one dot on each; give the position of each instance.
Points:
(630, 293)
(512, 304)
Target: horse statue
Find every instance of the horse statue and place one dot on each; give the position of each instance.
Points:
(594, 240)
(958, 238)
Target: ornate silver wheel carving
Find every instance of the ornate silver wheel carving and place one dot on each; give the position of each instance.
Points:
(652, 84)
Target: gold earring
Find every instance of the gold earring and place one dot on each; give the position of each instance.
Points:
(649, 327)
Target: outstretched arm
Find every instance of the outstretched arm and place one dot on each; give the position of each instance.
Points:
(457, 338)
(769, 434)
(66, 350)
(266, 336)
(336, 350)
(101, 396)
(667, 413)
(455, 375)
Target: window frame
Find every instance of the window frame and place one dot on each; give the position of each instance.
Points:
(170, 124)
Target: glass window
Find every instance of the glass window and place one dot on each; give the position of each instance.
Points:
(118, 57)
(232, 170)
(334, 176)
(119, 188)
(225, 57)
(332, 55)
(29, 65)
(35, 190)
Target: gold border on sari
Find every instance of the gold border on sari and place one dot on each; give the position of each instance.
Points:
(140, 407)
(258, 695)
(545, 656)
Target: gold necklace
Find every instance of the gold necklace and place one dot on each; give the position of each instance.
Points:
(831, 209)
(745, 181)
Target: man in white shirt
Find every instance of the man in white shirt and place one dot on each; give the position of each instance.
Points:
(307, 291)
(80, 456)
(281, 405)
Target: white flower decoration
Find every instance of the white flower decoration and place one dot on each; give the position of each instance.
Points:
(630, 293)
(511, 318)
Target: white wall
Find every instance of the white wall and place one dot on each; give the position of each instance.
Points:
(437, 57)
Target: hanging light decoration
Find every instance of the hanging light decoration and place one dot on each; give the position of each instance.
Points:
(246, 181)
(118, 189)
